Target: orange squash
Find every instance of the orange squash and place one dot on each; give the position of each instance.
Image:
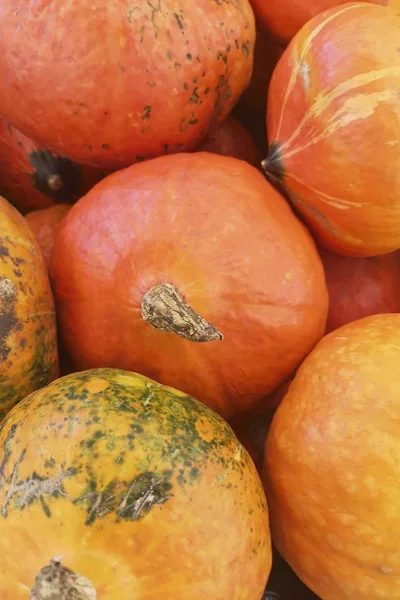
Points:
(45, 224)
(359, 287)
(230, 138)
(192, 270)
(32, 177)
(334, 125)
(332, 464)
(284, 18)
(141, 490)
(28, 340)
(131, 81)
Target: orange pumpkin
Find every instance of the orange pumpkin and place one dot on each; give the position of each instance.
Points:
(138, 489)
(359, 287)
(32, 177)
(332, 464)
(192, 270)
(28, 339)
(334, 126)
(112, 83)
(284, 18)
(230, 138)
(45, 224)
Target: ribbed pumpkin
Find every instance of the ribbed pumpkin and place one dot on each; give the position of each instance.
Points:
(45, 223)
(114, 485)
(332, 464)
(334, 128)
(33, 177)
(359, 287)
(284, 18)
(28, 340)
(192, 270)
(111, 83)
(230, 138)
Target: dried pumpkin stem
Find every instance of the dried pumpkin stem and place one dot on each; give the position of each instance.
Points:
(164, 309)
(56, 582)
(55, 182)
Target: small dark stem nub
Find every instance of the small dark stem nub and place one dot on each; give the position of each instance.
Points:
(272, 165)
(55, 182)
(165, 309)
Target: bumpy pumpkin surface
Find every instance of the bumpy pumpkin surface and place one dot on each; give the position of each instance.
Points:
(143, 491)
(359, 287)
(332, 464)
(111, 83)
(32, 177)
(284, 18)
(28, 341)
(334, 127)
(192, 270)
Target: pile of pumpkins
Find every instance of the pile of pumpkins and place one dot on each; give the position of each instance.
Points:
(199, 299)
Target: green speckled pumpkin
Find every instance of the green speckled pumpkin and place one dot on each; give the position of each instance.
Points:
(143, 491)
(28, 339)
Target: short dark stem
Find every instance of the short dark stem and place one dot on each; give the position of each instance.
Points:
(165, 309)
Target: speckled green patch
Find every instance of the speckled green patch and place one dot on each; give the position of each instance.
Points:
(166, 438)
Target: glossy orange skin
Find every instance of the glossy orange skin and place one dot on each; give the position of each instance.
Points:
(332, 464)
(359, 287)
(284, 18)
(119, 82)
(230, 138)
(334, 124)
(20, 163)
(88, 439)
(28, 337)
(214, 228)
(45, 223)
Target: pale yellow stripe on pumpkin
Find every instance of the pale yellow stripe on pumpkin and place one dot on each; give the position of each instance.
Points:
(334, 201)
(298, 58)
(324, 99)
(353, 109)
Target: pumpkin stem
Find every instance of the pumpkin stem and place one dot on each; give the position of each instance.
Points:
(55, 182)
(165, 309)
(272, 165)
(56, 582)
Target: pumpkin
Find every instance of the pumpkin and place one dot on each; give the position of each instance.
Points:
(32, 177)
(138, 80)
(359, 287)
(332, 464)
(45, 224)
(142, 490)
(194, 271)
(230, 138)
(252, 105)
(28, 340)
(284, 18)
(334, 125)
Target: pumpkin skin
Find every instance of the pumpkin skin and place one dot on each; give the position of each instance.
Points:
(332, 464)
(174, 71)
(45, 224)
(284, 18)
(32, 177)
(28, 338)
(211, 230)
(333, 126)
(230, 138)
(141, 489)
(359, 287)
(252, 105)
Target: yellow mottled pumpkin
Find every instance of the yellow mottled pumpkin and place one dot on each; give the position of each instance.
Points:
(143, 491)
(28, 340)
